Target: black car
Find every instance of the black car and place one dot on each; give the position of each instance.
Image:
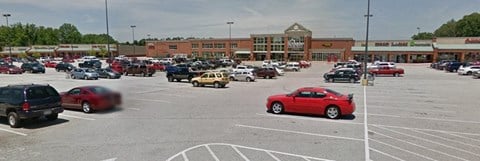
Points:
(108, 73)
(345, 75)
(453, 66)
(90, 64)
(62, 66)
(33, 67)
(19, 102)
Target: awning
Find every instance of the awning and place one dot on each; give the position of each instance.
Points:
(457, 46)
(242, 52)
(394, 48)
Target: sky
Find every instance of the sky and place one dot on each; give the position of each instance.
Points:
(392, 19)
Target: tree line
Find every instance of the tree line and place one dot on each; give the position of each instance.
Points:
(29, 34)
(468, 26)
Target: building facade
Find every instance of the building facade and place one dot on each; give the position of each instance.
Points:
(296, 43)
(62, 50)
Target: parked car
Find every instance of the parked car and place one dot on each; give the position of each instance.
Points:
(166, 61)
(265, 73)
(396, 72)
(304, 64)
(270, 63)
(468, 70)
(381, 65)
(453, 66)
(178, 73)
(476, 74)
(68, 60)
(217, 79)
(108, 73)
(62, 66)
(242, 76)
(20, 102)
(158, 66)
(292, 66)
(50, 64)
(84, 73)
(10, 69)
(342, 74)
(90, 64)
(242, 68)
(91, 98)
(312, 100)
(33, 67)
(142, 69)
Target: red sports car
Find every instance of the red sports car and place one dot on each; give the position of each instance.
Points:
(10, 69)
(312, 100)
(50, 64)
(90, 98)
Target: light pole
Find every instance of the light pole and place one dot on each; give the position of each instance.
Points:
(365, 83)
(8, 36)
(133, 37)
(148, 35)
(230, 38)
(418, 33)
(108, 35)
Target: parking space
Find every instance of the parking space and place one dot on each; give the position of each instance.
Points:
(423, 115)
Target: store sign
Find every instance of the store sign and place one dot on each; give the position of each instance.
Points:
(472, 41)
(382, 44)
(399, 43)
(327, 45)
(293, 44)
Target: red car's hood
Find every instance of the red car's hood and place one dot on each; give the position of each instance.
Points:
(278, 96)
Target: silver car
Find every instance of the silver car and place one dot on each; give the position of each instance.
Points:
(84, 73)
(242, 76)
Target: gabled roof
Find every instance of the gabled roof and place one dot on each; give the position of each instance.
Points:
(297, 28)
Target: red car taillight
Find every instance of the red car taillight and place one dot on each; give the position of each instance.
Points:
(26, 106)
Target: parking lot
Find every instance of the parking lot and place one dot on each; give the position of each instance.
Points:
(424, 115)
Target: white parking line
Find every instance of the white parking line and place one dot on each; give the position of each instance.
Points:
(14, 132)
(150, 100)
(430, 141)
(240, 153)
(422, 118)
(152, 91)
(386, 154)
(77, 117)
(355, 123)
(297, 132)
(111, 159)
(463, 137)
(184, 156)
(273, 156)
(211, 153)
(443, 138)
(245, 147)
(412, 110)
(433, 150)
(365, 124)
(398, 148)
(136, 109)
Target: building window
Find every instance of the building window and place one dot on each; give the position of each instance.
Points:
(172, 47)
(277, 48)
(277, 40)
(260, 40)
(194, 54)
(207, 55)
(220, 46)
(194, 46)
(259, 47)
(219, 54)
(207, 45)
(234, 45)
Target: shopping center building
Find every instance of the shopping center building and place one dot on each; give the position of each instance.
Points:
(296, 43)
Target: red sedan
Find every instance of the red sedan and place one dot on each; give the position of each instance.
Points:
(90, 98)
(312, 100)
(50, 64)
(157, 66)
(10, 69)
(304, 64)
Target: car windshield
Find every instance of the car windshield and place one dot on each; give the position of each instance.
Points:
(90, 70)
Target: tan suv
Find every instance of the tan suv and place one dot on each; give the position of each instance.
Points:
(217, 79)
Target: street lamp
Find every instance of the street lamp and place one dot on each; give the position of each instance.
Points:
(148, 35)
(418, 28)
(133, 37)
(8, 36)
(230, 38)
(108, 34)
(365, 83)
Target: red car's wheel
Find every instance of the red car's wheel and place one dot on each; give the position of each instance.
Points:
(277, 108)
(332, 112)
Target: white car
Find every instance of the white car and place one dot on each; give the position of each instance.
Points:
(242, 68)
(468, 70)
(381, 64)
(89, 58)
(270, 63)
(292, 66)
(242, 76)
(166, 61)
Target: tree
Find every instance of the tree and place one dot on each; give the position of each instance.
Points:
(447, 29)
(97, 39)
(103, 52)
(423, 36)
(469, 25)
(22, 55)
(92, 52)
(68, 34)
(36, 55)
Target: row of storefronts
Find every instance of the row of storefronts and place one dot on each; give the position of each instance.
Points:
(62, 50)
(294, 44)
